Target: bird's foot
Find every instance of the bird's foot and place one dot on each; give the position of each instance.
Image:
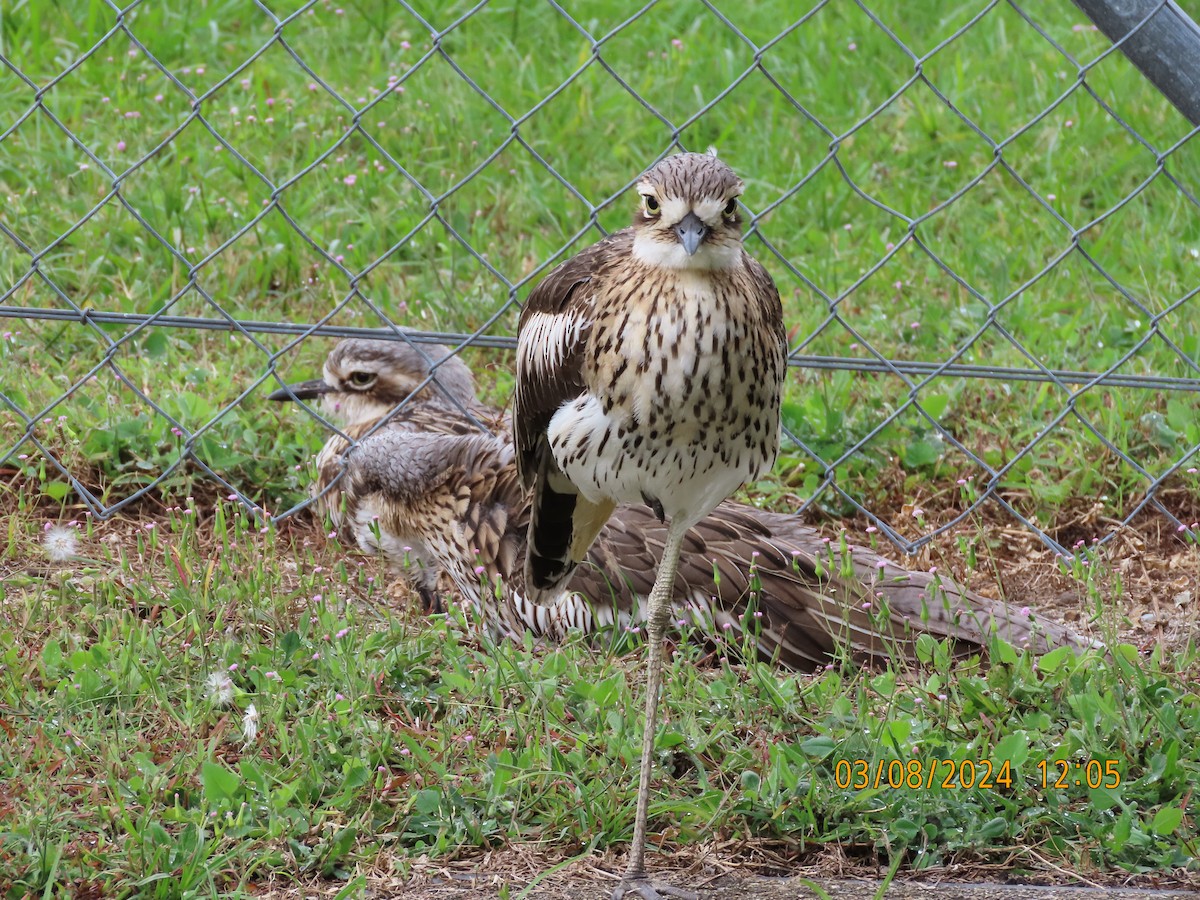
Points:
(641, 886)
(431, 603)
(656, 506)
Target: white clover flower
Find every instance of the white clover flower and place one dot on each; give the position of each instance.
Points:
(218, 688)
(60, 543)
(250, 724)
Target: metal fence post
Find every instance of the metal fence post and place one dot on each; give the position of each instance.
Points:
(1166, 46)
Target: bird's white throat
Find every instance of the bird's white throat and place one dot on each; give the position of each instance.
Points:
(670, 254)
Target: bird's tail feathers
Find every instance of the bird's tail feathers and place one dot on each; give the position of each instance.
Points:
(562, 526)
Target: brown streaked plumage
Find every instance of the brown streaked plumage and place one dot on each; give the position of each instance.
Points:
(373, 384)
(649, 369)
(460, 498)
(634, 351)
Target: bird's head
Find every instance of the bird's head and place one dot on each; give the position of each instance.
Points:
(366, 379)
(689, 216)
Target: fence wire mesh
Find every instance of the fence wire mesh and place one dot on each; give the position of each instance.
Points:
(983, 222)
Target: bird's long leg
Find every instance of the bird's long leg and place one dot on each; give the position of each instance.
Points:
(659, 608)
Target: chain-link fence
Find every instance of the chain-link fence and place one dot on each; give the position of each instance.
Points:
(983, 222)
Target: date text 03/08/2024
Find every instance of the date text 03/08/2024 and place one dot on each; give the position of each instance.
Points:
(917, 774)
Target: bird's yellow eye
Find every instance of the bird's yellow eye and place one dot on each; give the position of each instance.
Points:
(651, 205)
(362, 379)
(731, 208)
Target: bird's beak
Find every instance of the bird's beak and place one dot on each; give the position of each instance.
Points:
(691, 232)
(304, 390)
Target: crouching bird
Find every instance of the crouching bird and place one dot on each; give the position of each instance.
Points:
(751, 579)
(649, 370)
(367, 385)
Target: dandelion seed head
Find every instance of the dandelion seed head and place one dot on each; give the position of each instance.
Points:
(60, 542)
(250, 724)
(218, 688)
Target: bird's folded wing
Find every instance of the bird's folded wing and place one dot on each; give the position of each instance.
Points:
(552, 335)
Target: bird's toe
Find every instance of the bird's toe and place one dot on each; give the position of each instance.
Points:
(649, 890)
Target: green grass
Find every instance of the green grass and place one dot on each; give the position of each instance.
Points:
(383, 737)
(912, 156)
(401, 737)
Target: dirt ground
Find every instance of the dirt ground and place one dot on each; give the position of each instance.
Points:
(728, 873)
(794, 888)
(1146, 576)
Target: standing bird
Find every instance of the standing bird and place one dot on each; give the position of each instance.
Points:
(649, 368)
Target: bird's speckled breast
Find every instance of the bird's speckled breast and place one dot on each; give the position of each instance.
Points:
(689, 371)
